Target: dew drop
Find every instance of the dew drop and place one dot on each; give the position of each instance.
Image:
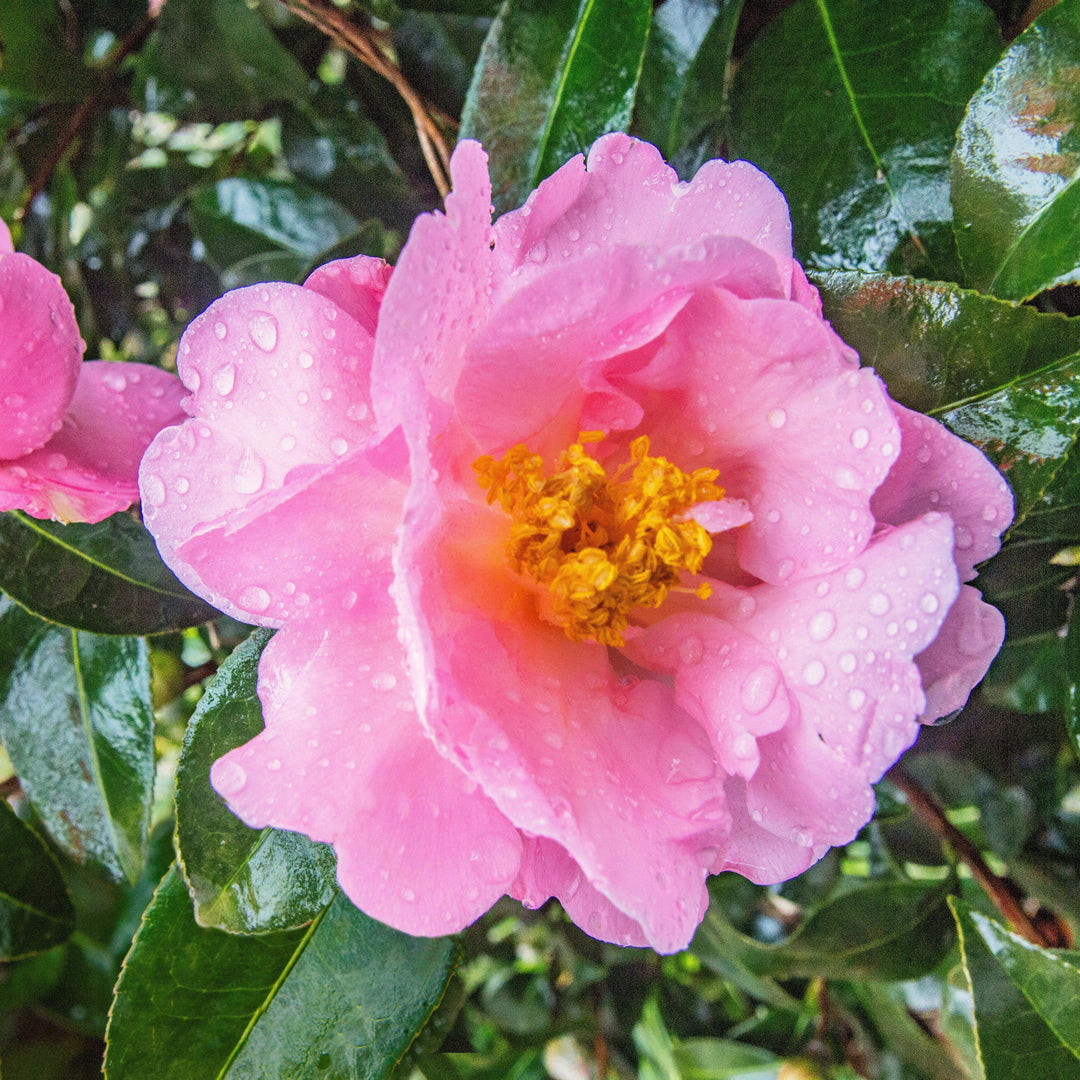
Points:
(348, 601)
(224, 379)
(802, 837)
(287, 442)
(759, 688)
(274, 764)
(220, 330)
(305, 359)
(384, 681)
(254, 598)
(747, 606)
(249, 474)
(115, 381)
(854, 578)
(784, 570)
(929, 603)
(856, 699)
(989, 513)
(338, 447)
(878, 604)
(56, 461)
(691, 651)
(229, 777)
(776, 418)
(814, 673)
(847, 662)
(773, 516)
(923, 455)
(963, 538)
(182, 485)
(860, 438)
(153, 489)
(822, 626)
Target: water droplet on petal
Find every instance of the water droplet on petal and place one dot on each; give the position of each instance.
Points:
(287, 442)
(220, 330)
(338, 447)
(822, 625)
(224, 379)
(56, 461)
(115, 381)
(274, 764)
(963, 538)
(814, 673)
(776, 418)
(255, 599)
(153, 489)
(856, 699)
(854, 578)
(847, 662)
(691, 651)
(249, 474)
(349, 600)
(860, 438)
(305, 359)
(878, 603)
(263, 330)
(182, 485)
(229, 777)
(759, 688)
(929, 603)
(384, 681)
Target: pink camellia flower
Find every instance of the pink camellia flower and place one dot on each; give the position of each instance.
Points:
(599, 563)
(71, 434)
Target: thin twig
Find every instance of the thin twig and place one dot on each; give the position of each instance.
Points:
(1004, 892)
(363, 42)
(131, 41)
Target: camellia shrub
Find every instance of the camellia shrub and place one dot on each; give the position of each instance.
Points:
(564, 561)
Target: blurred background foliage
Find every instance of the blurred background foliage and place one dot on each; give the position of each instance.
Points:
(155, 159)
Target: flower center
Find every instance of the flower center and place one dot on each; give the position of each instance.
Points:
(603, 546)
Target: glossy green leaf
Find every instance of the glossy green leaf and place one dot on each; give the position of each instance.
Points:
(884, 930)
(1026, 429)
(289, 223)
(1017, 164)
(216, 60)
(681, 95)
(242, 880)
(106, 578)
(553, 75)
(75, 719)
(851, 108)
(35, 909)
(936, 344)
(341, 999)
(1027, 1002)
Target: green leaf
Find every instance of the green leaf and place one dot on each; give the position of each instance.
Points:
(35, 59)
(289, 223)
(681, 95)
(342, 999)
(242, 880)
(887, 930)
(35, 909)
(216, 60)
(106, 578)
(553, 75)
(1027, 1002)
(851, 108)
(1026, 429)
(75, 718)
(936, 344)
(1017, 164)
(1072, 678)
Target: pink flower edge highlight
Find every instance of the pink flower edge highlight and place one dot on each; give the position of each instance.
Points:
(324, 486)
(72, 433)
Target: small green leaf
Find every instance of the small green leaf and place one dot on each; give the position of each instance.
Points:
(35, 909)
(851, 108)
(553, 75)
(285, 222)
(680, 99)
(1027, 1002)
(106, 578)
(341, 999)
(936, 344)
(242, 880)
(75, 719)
(1017, 163)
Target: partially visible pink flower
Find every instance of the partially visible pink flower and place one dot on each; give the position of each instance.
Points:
(706, 586)
(71, 433)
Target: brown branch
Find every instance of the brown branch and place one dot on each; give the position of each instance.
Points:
(1004, 892)
(364, 43)
(131, 41)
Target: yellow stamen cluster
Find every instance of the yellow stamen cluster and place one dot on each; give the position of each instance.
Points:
(602, 546)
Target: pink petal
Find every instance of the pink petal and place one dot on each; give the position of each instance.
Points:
(937, 470)
(547, 870)
(356, 285)
(344, 760)
(40, 350)
(746, 386)
(6, 246)
(629, 196)
(89, 468)
(957, 659)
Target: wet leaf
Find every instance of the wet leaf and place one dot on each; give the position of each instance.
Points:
(553, 75)
(75, 718)
(1017, 162)
(851, 108)
(342, 998)
(106, 578)
(1027, 1002)
(242, 880)
(35, 909)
